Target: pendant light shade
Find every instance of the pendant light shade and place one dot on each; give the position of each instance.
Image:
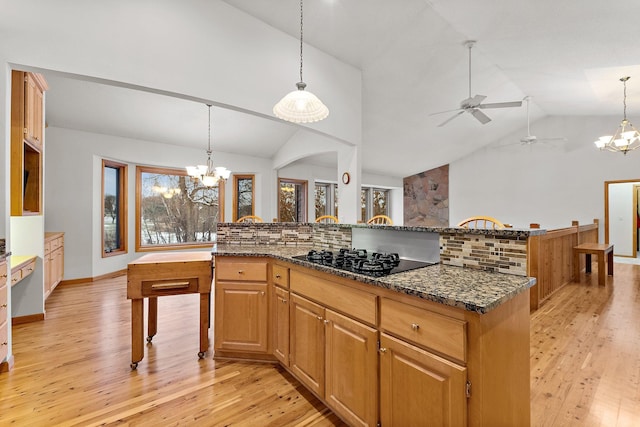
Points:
(300, 106)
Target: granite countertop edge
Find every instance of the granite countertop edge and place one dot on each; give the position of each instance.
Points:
(465, 288)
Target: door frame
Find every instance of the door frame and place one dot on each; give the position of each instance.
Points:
(606, 210)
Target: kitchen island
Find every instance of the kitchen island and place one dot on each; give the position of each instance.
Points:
(439, 345)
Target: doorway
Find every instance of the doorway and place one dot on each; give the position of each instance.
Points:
(621, 216)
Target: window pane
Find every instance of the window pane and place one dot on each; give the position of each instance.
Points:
(292, 201)
(380, 202)
(335, 200)
(175, 209)
(321, 199)
(112, 209)
(244, 196)
(364, 203)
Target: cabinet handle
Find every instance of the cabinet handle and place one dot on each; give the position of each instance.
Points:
(4, 276)
(284, 301)
(319, 317)
(382, 350)
(240, 271)
(278, 276)
(415, 326)
(172, 285)
(3, 306)
(262, 293)
(326, 322)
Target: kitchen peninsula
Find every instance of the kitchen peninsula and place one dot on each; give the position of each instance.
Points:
(443, 343)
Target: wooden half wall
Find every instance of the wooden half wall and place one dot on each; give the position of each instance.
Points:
(550, 258)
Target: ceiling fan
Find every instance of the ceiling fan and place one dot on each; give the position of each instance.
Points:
(532, 139)
(473, 105)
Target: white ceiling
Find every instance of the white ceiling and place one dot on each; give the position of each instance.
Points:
(567, 55)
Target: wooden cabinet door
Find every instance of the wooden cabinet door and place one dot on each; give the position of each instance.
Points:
(351, 377)
(281, 324)
(33, 98)
(59, 265)
(418, 388)
(241, 321)
(307, 343)
(47, 273)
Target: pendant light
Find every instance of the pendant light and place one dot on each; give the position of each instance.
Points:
(300, 106)
(208, 174)
(626, 138)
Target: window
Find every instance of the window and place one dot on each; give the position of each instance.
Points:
(374, 201)
(326, 199)
(114, 208)
(174, 210)
(243, 196)
(292, 200)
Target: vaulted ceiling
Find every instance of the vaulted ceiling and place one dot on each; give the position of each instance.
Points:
(568, 56)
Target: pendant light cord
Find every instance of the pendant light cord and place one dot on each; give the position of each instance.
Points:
(301, 41)
(209, 144)
(624, 100)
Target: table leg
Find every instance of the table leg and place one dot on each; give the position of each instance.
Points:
(137, 330)
(152, 328)
(587, 267)
(610, 262)
(204, 324)
(602, 276)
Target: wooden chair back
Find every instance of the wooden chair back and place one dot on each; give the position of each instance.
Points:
(327, 219)
(250, 218)
(483, 222)
(380, 220)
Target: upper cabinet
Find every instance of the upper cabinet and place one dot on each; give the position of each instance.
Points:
(27, 123)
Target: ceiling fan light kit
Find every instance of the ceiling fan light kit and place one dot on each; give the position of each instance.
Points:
(300, 106)
(473, 105)
(626, 138)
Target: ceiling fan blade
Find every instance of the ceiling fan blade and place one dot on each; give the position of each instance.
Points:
(445, 111)
(482, 117)
(450, 118)
(476, 100)
(501, 104)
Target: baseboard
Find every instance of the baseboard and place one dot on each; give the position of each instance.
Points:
(7, 365)
(93, 279)
(19, 320)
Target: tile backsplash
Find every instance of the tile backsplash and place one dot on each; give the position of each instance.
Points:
(281, 233)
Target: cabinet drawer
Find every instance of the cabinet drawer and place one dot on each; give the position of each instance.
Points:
(4, 345)
(160, 287)
(250, 271)
(28, 269)
(3, 303)
(47, 247)
(280, 276)
(57, 243)
(443, 334)
(353, 302)
(3, 274)
(16, 276)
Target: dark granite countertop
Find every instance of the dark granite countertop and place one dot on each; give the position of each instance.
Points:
(465, 288)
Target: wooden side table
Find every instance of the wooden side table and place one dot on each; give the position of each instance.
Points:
(161, 274)
(602, 251)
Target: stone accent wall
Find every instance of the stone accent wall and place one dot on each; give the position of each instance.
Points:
(426, 198)
(288, 234)
(488, 253)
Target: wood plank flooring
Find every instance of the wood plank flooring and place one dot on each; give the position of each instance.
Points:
(73, 368)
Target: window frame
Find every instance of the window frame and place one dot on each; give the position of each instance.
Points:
(169, 171)
(367, 210)
(331, 199)
(236, 179)
(305, 196)
(122, 199)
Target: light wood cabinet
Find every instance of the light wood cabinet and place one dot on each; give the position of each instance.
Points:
(4, 317)
(335, 355)
(281, 324)
(241, 306)
(27, 132)
(53, 261)
(418, 388)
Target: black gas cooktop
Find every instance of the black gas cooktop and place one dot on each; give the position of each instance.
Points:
(374, 264)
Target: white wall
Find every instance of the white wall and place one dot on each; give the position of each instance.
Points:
(551, 184)
(622, 218)
(73, 175)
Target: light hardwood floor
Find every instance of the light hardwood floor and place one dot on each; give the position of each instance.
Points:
(73, 368)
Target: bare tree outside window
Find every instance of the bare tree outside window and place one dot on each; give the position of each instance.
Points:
(114, 196)
(321, 196)
(175, 209)
(292, 200)
(243, 196)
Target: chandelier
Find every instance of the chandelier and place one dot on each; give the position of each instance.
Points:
(626, 138)
(208, 174)
(300, 106)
